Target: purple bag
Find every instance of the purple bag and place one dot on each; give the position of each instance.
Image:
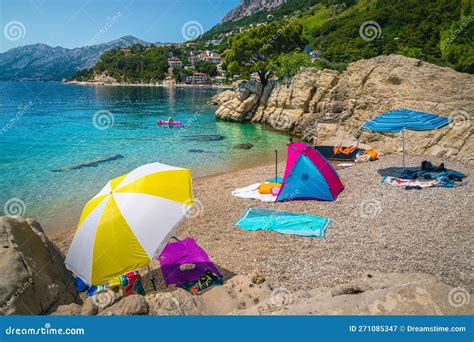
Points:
(184, 261)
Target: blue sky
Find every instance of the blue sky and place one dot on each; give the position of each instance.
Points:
(75, 23)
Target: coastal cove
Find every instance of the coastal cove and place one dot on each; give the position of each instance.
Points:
(90, 134)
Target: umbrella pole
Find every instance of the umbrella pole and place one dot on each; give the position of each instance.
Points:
(276, 165)
(403, 148)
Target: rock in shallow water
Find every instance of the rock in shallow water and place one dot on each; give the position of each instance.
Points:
(244, 146)
(206, 137)
(197, 151)
(90, 163)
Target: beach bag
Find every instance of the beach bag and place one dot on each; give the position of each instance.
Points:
(185, 264)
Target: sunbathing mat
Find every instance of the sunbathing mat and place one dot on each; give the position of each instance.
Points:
(284, 222)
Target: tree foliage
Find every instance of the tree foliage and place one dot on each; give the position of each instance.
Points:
(287, 65)
(206, 67)
(137, 64)
(423, 29)
(437, 31)
(254, 50)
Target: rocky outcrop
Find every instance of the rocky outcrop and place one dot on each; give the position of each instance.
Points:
(34, 280)
(374, 293)
(128, 306)
(241, 104)
(238, 292)
(249, 7)
(178, 302)
(327, 107)
(72, 309)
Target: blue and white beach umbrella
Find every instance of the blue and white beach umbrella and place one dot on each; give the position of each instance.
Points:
(400, 120)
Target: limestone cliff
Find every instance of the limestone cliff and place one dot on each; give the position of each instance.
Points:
(327, 107)
(249, 7)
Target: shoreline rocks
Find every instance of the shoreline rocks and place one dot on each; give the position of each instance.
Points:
(325, 107)
(374, 293)
(34, 279)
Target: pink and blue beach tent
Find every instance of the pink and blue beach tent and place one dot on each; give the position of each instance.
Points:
(308, 176)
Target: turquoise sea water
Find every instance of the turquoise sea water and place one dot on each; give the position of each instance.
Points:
(46, 126)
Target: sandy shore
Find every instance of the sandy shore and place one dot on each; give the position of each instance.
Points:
(375, 228)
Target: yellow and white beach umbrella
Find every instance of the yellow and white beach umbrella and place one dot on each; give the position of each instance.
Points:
(129, 222)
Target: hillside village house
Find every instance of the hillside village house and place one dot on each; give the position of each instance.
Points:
(208, 56)
(175, 63)
(213, 59)
(197, 78)
(219, 79)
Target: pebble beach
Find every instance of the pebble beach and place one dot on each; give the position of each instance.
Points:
(374, 227)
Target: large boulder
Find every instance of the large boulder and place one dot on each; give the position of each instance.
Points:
(177, 302)
(326, 107)
(238, 293)
(240, 104)
(72, 309)
(127, 306)
(373, 294)
(34, 280)
(90, 307)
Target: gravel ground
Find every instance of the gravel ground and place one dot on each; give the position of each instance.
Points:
(375, 228)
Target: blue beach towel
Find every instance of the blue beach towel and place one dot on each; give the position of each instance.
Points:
(284, 222)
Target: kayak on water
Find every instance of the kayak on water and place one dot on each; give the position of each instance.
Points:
(166, 123)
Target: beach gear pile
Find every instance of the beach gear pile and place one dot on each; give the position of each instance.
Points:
(129, 284)
(308, 176)
(283, 222)
(426, 176)
(347, 153)
(185, 264)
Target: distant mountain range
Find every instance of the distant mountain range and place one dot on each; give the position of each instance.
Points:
(41, 62)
